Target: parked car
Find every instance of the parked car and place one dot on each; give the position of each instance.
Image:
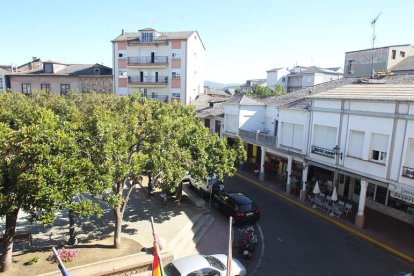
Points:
(194, 265)
(206, 186)
(238, 205)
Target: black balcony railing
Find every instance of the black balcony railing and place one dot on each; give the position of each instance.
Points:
(323, 151)
(148, 79)
(148, 60)
(408, 172)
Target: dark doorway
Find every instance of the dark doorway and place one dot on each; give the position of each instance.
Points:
(141, 76)
(152, 57)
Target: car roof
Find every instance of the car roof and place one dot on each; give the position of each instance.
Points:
(240, 198)
(190, 263)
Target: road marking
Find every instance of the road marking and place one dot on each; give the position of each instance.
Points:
(333, 221)
(259, 262)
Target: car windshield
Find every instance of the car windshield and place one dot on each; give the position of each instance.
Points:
(249, 207)
(215, 262)
(171, 270)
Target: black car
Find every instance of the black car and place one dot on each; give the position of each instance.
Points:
(238, 205)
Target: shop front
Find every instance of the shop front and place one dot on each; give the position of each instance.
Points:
(275, 167)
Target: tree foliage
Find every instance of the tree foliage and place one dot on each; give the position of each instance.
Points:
(264, 92)
(58, 152)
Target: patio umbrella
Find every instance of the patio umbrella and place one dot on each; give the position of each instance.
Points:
(316, 189)
(334, 196)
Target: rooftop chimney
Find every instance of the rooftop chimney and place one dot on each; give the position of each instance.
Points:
(34, 58)
(122, 32)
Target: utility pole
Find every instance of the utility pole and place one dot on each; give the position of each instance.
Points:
(373, 43)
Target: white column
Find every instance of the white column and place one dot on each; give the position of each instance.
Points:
(289, 171)
(360, 217)
(262, 160)
(304, 179)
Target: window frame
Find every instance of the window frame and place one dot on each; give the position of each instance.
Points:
(26, 88)
(64, 88)
(45, 86)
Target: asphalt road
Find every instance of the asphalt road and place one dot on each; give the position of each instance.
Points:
(297, 242)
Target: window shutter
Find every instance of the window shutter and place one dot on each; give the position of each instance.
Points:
(297, 136)
(356, 143)
(379, 142)
(287, 134)
(409, 159)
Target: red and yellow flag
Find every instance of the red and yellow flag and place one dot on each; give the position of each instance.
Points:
(156, 264)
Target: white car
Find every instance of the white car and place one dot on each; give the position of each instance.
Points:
(204, 187)
(201, 265)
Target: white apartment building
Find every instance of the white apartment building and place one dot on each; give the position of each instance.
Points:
(357, 137)
(277, 76)
(168, 66)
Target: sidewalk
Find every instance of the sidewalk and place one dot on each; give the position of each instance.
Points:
(387, 232)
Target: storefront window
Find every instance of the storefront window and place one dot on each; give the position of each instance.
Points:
(400, 205)
(381, 195)
(357, 186)
(371, 191)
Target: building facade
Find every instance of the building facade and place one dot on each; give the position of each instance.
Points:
(168, 66)
(60, 78)
(368, 62)
(277, 76)
(354, 136)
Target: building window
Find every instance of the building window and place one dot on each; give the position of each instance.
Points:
(48, 68)
(147, 37)
(402, 54)
(122, 73)
(96, 71)
(207, 123)
(45, 86)
(356, 143)
(351, 65)
(64, 88)
(175, 55)
(379, 146)
(324, 136)
(175, 75)
(175, 95)
(381, 195)
(394, 54)
(292, 135)
(26, 88)
(1, 83)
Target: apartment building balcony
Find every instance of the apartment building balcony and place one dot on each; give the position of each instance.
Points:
(155, 96)
(148, 81)
(148, 61)
(160, 40)
(408, 172)
(258, 138)
(323, 151)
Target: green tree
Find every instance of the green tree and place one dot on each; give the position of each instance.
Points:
(264, 92)
(40, 164)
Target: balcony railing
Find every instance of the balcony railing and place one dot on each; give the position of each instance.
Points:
(258, 138)
(148, 80)
(323, 151)
(155, 40)
(148, 60)
(408, 172)
(154, 96)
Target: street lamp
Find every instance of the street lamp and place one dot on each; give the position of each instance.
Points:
(337, 151)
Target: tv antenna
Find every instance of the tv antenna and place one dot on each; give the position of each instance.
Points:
(373, 43)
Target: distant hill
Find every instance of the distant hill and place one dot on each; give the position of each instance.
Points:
(218, 85)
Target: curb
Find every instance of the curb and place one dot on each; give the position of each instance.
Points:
(333, 221)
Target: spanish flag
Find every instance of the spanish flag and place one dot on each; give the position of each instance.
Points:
(156, 264)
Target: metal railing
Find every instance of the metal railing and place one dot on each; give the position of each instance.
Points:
(154, 96)
(408, 172)
(323, 151)
(148, 60)
(148, 79)
(258, 138)
(154, 40)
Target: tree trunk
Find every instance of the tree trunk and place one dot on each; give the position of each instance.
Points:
(73, 240)
(11, 221)
(118, 226)
(179, 192)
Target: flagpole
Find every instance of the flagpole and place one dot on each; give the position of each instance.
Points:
(230, 248)
(156, 245)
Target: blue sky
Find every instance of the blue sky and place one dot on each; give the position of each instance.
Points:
(243, 38)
